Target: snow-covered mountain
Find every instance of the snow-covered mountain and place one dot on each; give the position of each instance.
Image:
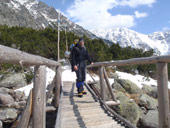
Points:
(159, 41)
(36, 14)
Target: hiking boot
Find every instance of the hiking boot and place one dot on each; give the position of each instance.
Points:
(80, 94)
(84, 92)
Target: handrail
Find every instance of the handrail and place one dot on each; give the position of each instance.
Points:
(162, 81)
(142, 60)
(14, 56)
(38, 98)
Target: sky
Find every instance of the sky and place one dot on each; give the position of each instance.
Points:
(144, 16)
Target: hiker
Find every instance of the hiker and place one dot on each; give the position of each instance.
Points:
(79, 55)
(72, 45)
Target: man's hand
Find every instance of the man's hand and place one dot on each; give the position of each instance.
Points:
(75, 68)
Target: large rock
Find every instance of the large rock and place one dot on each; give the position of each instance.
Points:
(151, 91)
(6, 99)
(18, 95)
(8, 115)
(113, 75)
(128, 108)
(118, 87)
(148, 102)
(4, 90)
(129, 86)
(13, 81)
(150, 120)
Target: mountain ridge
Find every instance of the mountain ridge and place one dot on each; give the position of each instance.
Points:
(159, 41)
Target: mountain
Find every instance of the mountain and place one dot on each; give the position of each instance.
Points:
(37, 15)
(159, 41)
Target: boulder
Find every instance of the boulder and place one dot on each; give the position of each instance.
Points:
(13, 81)
(6, 99)
(129, 86)
(18, 95)
(118, 87)
(148, 102)
(4, 90)
(8, 115)
(128, 108)
(113, 75)
(150, 120)
(151, 91)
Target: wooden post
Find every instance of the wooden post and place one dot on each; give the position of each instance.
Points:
(57, 85)
(39, 97)
(108, 85)
(25, 119)
(50, 88)
(163, 99)
(102, 84)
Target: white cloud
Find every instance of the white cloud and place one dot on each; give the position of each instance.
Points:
(165, 28)
(135, 3)
(93, 14)
(140, 15)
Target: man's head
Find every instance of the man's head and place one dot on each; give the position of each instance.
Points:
(76, 41)
(81, 42)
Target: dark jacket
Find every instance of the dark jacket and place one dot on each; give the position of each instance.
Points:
(80, 54)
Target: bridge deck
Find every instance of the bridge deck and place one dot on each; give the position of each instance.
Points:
(83, 112)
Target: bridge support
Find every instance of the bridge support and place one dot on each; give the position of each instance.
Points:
(57, 86)
(102, 83)
(39, 97)
(163, 98)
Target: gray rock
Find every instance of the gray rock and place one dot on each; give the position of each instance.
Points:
(18, 95)
(13, 81)
(118, 87)
(151, 91)
(148, 102)
(113, 75)
(4, 90)
(6, 99)
(129, 86)
(150, 119)
(8, 115)
(128, 108)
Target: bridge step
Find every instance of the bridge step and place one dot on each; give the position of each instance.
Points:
(83, 112)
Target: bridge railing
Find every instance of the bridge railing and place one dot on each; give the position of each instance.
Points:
(35, 109)
(162, 82)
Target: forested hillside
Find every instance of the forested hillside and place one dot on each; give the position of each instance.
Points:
(44, 43)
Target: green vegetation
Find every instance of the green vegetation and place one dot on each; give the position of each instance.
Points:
(44, 43)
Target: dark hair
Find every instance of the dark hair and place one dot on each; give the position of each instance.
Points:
(81, 39)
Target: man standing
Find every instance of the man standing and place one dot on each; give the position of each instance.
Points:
(79, 55)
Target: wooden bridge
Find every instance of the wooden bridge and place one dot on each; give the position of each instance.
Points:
(91, 111)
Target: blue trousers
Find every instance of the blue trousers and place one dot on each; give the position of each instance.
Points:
(81, 76)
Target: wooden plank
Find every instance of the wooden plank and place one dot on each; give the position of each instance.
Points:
(108, 85)
(39, 97)
(57, 86)
(102, 84)
(144, 60)
(14, 56)
(163, 100)
(25, 118)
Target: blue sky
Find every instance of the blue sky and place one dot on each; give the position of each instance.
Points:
(144, 16)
